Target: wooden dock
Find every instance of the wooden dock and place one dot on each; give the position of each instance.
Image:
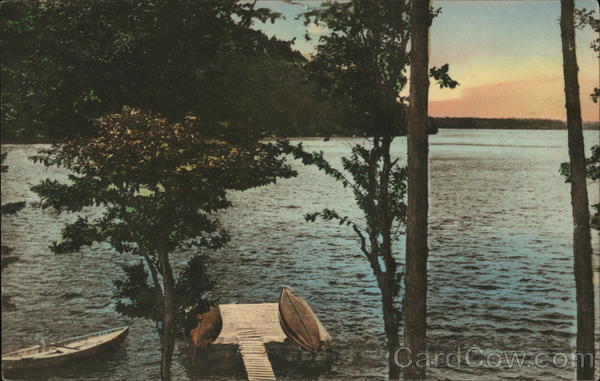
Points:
(261, 317)
(254, 354)
(250, 326)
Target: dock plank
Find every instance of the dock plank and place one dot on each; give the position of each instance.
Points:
(254, 355)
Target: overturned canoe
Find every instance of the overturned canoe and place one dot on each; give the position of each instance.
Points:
(299, 322)
(208, 329)
(57, 353)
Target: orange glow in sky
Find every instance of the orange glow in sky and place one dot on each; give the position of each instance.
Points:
(507, 58)
(506, 55)
(526, 99)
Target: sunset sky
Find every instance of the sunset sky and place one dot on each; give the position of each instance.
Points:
(506, 55)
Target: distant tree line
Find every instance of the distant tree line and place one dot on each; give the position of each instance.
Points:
(508, 124)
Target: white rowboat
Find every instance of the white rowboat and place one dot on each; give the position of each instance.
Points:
(48, 355)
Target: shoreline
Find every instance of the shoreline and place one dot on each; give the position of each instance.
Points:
(272, 138)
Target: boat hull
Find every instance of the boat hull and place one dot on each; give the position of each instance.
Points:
(60, 355)
(299, 322)
(208, 329)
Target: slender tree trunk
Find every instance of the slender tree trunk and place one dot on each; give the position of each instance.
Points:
(390, 321)
(168, 334)
(582, 247)
(389, 291)
(153, 273)
(415, 307)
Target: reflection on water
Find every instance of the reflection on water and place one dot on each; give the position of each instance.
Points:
(500, 266)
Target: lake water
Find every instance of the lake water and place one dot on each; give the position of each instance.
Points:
(500, 266)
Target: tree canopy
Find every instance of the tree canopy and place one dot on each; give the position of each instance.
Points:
(159, 185)
(68, 62)
(363, 59)
(159, 182)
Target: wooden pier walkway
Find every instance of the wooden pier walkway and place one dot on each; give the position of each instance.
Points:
(250, 326)
(254, 354)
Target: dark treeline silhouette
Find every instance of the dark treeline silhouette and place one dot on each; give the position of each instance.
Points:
(508, 124)
(331, 124)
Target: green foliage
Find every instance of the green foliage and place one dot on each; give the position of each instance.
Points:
(159, 185)
(593, 173)
(363, 59)
(363, 62)
(595, 95)
(193, 293)
(10, 208)
(595, 220)
(592, 166)
(263, 96)
(584, 17)
(442, 77)
(67, 62)
(7, 261)
(365, 168)
(136, 296)
(365, 165)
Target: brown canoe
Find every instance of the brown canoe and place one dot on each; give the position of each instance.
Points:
(208, 329)
(48, 355)
(299, 322)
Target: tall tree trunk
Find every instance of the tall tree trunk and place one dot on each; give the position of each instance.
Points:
(415, 308)
(168, 316)
(582, 247)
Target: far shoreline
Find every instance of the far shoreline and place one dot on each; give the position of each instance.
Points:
(438, 123)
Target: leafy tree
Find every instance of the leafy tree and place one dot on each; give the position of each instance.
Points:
(582, 246)
(264, 96)
(593, 173)
(588, 18)
(160, 186)
(362, 61)
(584, 17)
(67, 62)
(192, 295)
(8, 209)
